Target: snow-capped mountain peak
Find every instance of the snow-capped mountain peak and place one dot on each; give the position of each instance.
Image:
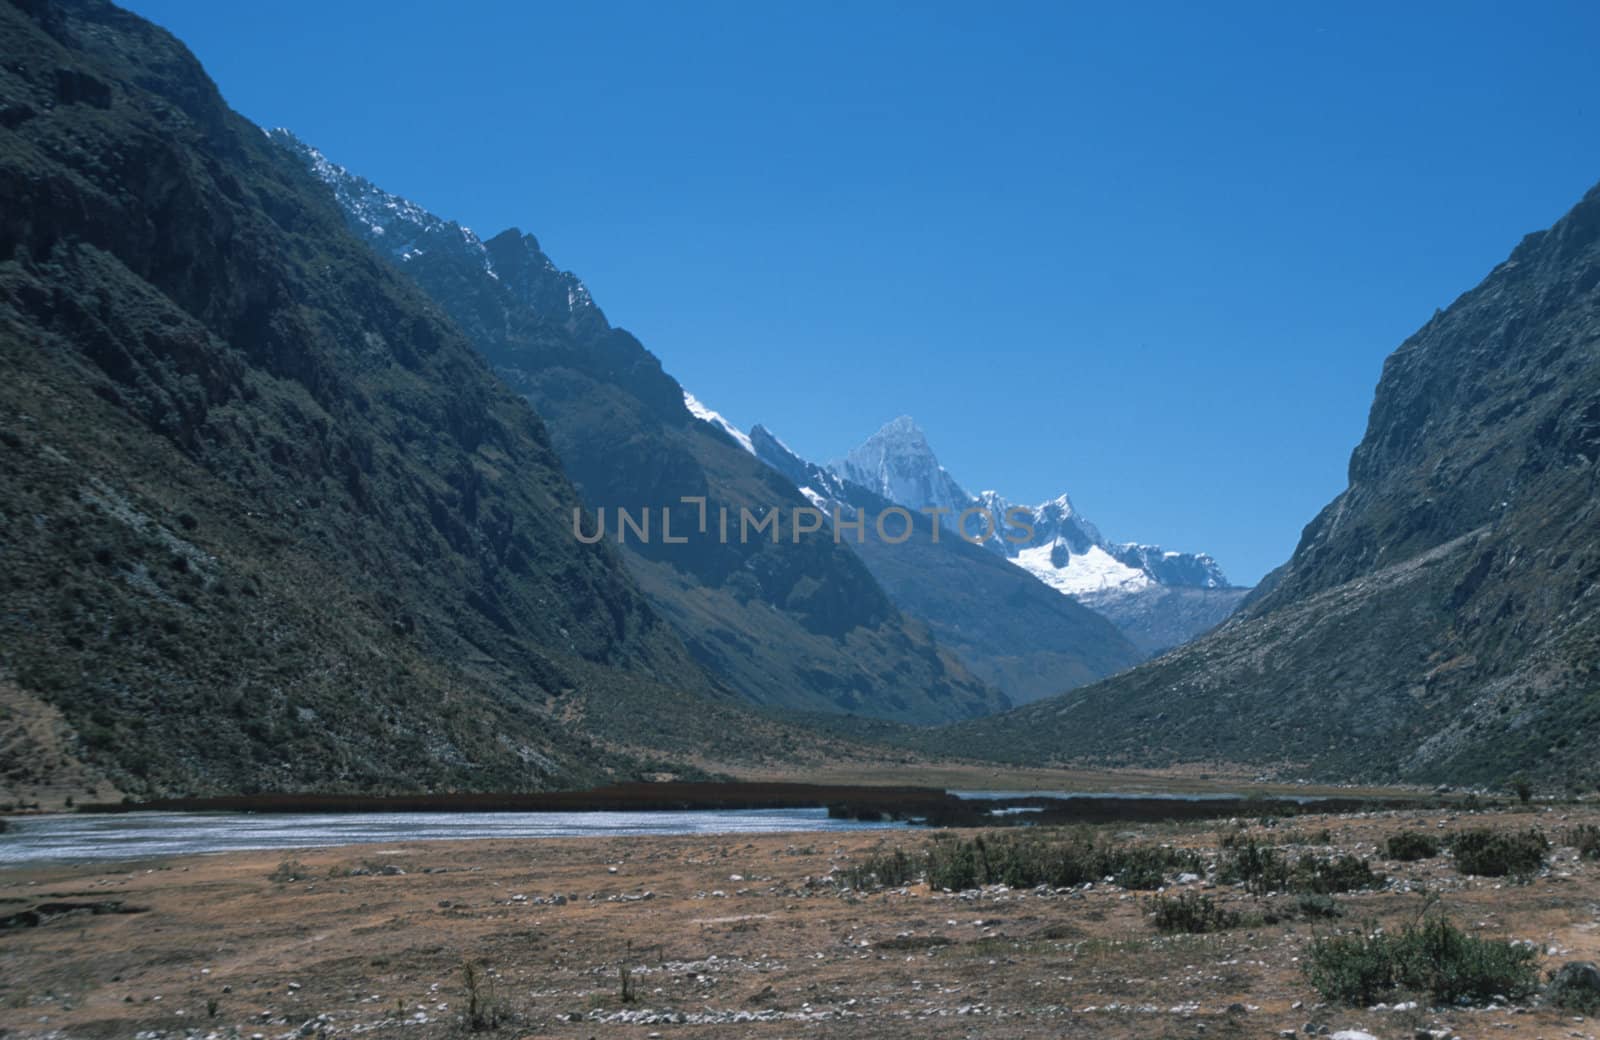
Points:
(898, 464)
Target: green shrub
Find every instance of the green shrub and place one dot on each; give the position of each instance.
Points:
(1488, 853)
(1433, 957)
(1448, 964)
(1145, 867)
(1318, 904)
(1023, 861)
(1259, 867)
(1263, 870)
(1352, 969)
(1409, 846)
(1193, 914)
(883, 870)
(1342, 874)
(1585, 838)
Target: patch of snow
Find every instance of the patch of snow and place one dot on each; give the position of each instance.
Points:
(1092, 571)
(704, 414)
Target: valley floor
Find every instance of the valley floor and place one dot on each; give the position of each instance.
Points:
(726, 936)
(956, 775)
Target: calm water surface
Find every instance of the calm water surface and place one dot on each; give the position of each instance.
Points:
(32, 839)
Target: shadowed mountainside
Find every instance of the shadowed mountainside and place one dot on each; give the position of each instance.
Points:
(269, 520)
(797, 623)
(1440, 619)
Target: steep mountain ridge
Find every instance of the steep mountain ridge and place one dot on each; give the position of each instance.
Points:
(269, 521)
(1440, 619)
(796, 623)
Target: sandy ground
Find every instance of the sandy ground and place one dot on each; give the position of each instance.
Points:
(731, 937)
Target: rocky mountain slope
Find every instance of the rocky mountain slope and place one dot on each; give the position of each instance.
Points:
(1009, 628)
(1157, 598)
(796, 623)
(1440, 619)
(267, 520)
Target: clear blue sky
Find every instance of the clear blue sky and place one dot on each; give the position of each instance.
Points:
(1149, 254)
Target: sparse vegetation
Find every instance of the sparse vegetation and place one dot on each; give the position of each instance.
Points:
(1432, 957)
(1346, 873)
(1410, 846)
(484, 1008)
(1489, 853)
(1260, 868)
(290, 870)
(1263, 870)
(1023, 861)
(1318, 905)
(1585, 838)
(889, 870)
(1193, 914)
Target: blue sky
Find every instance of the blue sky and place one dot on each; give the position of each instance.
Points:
(1152, 255)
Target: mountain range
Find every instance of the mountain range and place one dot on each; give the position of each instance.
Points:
(295, 480)
(796, 623)
(1156, 598)
(622, 427)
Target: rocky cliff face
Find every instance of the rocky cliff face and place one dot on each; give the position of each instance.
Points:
(1440, 619)
(796, 623)
(269, 522)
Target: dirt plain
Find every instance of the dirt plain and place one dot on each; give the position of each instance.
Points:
(731, 936)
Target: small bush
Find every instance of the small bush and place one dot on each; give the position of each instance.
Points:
(1264, 870)
(1352, 969)
(1410, 846)
(1488, 853)
(883, 870)
(290, 870)
(1343, 874)
(1585, 838)
(1300, 837)
(1433, 957)
(1259, 867)
(1193, 914)
(1318, 905)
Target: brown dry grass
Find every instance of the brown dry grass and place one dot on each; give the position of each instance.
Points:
(733, 927)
